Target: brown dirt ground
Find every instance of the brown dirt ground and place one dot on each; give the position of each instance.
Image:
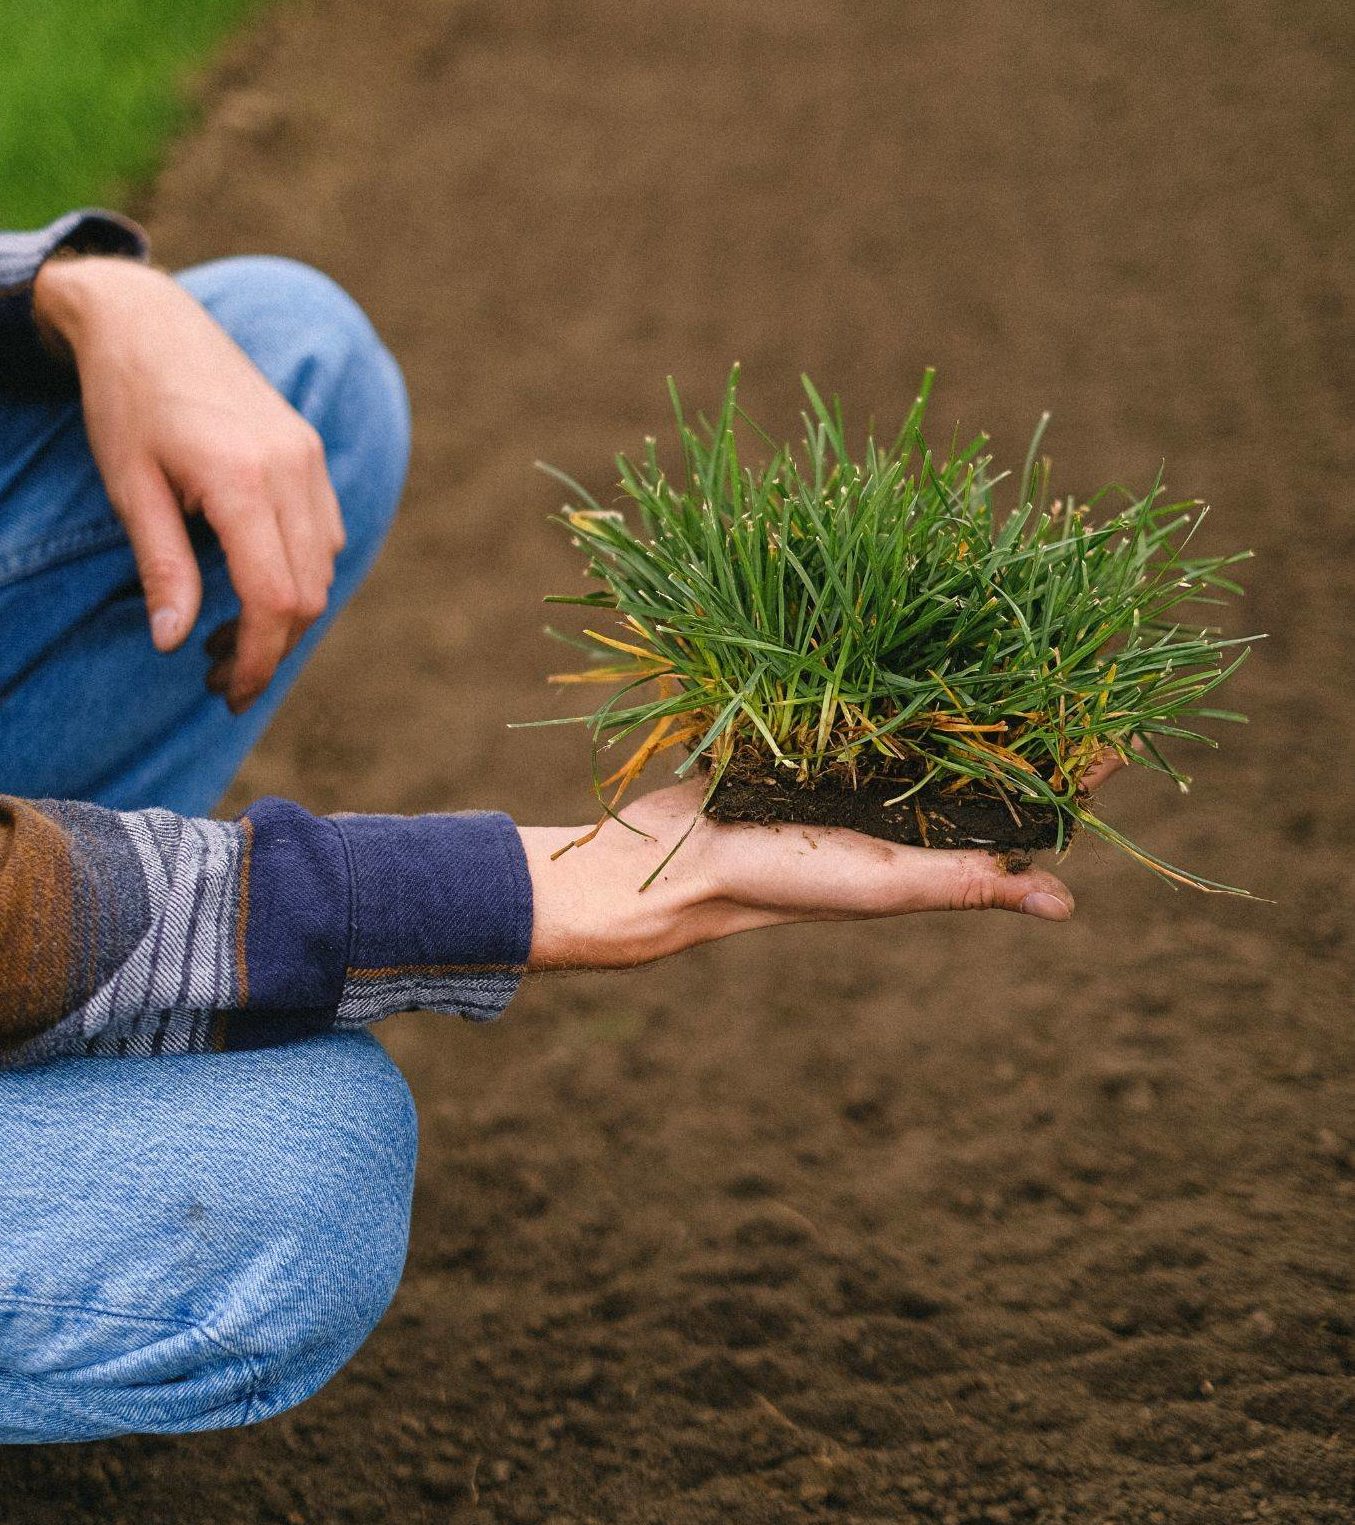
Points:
(953, 1220)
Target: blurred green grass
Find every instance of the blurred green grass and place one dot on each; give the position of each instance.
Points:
(90, 90)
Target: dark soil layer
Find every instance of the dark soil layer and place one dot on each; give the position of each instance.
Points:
(966, 1218)
(930, 817)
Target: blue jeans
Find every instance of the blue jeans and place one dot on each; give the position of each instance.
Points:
(197, 1242)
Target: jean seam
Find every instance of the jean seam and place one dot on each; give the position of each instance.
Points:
(190, 1326)
(43, 555)
(21, 1300)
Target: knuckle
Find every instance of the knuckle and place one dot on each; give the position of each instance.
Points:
(975, 891)
(244, 483)
(298, 452)
(277, 601)
(159, 569)
(311, 605)
(249, 465)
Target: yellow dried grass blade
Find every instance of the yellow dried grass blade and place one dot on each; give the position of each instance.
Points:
(645, 655)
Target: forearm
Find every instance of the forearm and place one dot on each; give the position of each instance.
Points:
(148, 933)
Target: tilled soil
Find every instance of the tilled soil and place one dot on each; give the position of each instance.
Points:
(960, 1219)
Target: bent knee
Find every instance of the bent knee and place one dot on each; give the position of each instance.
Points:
(257, 1289)
(327, 1257)
(69, 1372)
(266, 300)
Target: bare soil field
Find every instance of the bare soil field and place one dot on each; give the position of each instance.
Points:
(951, 1220)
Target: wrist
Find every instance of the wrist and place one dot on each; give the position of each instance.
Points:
(69, 290)
(589, 910)
(61, 293)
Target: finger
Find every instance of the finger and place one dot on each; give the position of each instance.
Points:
(1035, 893)
(306, 541)
(261, 574)
(220, 647)
(327, 509)
(165, 562)
(318, 492)
(863, 876)
(1109, 762)
(221, 643)
(828, 873)
(976, 881)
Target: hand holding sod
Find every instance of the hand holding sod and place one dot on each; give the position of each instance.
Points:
(181, 422)
(733, 878)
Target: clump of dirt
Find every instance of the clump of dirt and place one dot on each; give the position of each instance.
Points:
(891, 806)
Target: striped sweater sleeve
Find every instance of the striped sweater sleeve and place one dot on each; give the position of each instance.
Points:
(143, 933)
(26, 366)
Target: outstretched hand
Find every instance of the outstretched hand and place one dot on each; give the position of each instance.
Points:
(729, 878)
(181, 422)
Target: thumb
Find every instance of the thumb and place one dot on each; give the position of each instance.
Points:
(165, 562)
(978, 881)
(1033, 892)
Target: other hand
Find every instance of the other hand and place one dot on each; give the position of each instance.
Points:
(180, 421)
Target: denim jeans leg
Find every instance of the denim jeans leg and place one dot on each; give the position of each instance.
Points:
(88, 709)
(195, 1243)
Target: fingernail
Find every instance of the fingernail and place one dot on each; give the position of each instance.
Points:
(165, 626)
(1046, 906)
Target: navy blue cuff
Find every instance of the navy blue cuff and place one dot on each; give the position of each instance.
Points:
(295, 899)
(26, 365)
(437, 893)
(347, 919)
